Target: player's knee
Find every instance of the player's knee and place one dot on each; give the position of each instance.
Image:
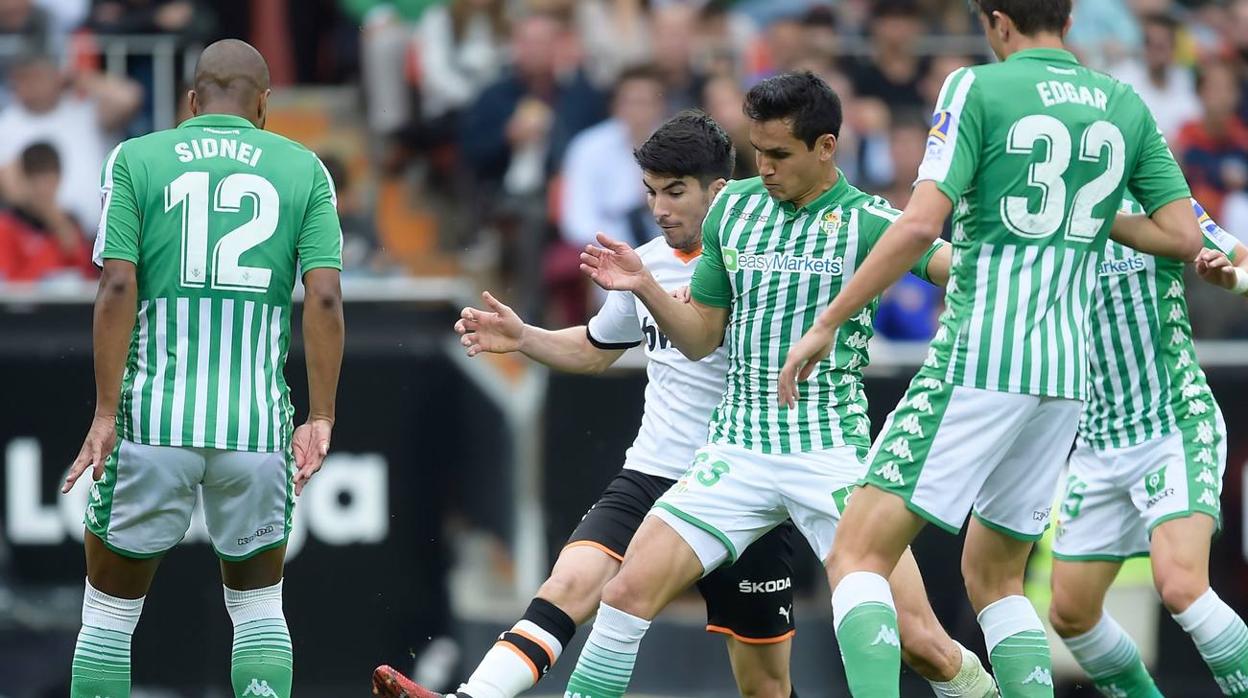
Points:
(628, 593)
(1179, 586)
(574, 592)
(1069, 620)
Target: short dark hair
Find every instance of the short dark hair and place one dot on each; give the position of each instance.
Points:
(1030, 16)
(690, 144)
(40, 158)
(803, 97)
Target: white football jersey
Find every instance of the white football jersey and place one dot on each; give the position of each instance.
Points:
(680, 394)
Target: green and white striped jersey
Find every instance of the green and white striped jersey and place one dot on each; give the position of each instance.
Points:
(1145, 381)
(1034, 152)
(775, 267)
(217, 216)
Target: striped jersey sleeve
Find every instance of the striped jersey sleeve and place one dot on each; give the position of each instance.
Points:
(880, 215)
(320, 238)
(1156, 179)
(118, 234)
(954, 142)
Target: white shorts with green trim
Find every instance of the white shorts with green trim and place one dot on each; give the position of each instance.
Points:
(142, 506)
(731, 496)
(949, 450)
(1115, 497)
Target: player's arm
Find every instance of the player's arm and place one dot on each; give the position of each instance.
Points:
(1223, 261)
(116, 303)
(1170, 232)
(1168, 228)
(499, 330)
(319, 248)
(939, 263)
(695, 328)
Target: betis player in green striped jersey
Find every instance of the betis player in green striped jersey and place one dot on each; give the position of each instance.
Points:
(775, 249)
(1150, 456)
(204, 230)
(1031, 156)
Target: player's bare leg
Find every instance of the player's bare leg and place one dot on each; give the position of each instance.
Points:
(111, 606)
(950, 668)
(658, 566)
(880, 606)
(993, 565)
(1180, 553)
(873, 534)
(761, 670)
(524, 654)
(1098, 643)
(263, 662)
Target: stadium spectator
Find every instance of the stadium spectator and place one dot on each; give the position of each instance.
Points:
(462, 50)
(1166, 87)
(673, 28)
(602, 189)
(614, 35)
(31, 26)
(894, 71)
(144, 17)
(362, 254)
(907, 144)
(941, 67)
(79, 115)
(722, 99)
(1213, 150)
(1103, 32)
(386, 28)
(38, 237)
(524, 121)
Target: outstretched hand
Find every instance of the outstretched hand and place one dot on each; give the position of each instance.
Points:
(497, 330)
(612, 264)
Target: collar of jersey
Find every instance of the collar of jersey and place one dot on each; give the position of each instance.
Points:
(823, 200)
(217, 120)
(1044, 54)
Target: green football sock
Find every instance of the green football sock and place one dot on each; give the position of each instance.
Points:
(1112, 660)
(1018, 648)
(101, 664)
(1221, 638)
(866, 629)
(262, 663)
(606, 663)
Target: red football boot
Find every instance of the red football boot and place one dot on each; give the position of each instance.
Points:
(388, 682)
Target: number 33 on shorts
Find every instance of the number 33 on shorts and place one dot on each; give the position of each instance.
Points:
(705, 471)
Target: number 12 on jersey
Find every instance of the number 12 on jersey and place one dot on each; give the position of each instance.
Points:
(189, 193)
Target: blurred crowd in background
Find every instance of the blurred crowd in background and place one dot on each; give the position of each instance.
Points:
(498, 134)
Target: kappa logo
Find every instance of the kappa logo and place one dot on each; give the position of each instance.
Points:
(911, 425)
(1196, 408)
(1204, 456)
(921, 403)
(886, 636)
(1178, 336)
(1175, 290)
(1113, 691)
(1191, 390)
(931, 383)
(1039, 675)
(1175, 314)
(1208, 499)
(1204, 433)
(891, 473)
(1206, 478)
(1232, 684)
(260, 688)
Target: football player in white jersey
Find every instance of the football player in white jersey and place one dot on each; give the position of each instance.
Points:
(685, 164)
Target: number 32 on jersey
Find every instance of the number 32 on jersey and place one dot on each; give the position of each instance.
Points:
(1047, 176)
